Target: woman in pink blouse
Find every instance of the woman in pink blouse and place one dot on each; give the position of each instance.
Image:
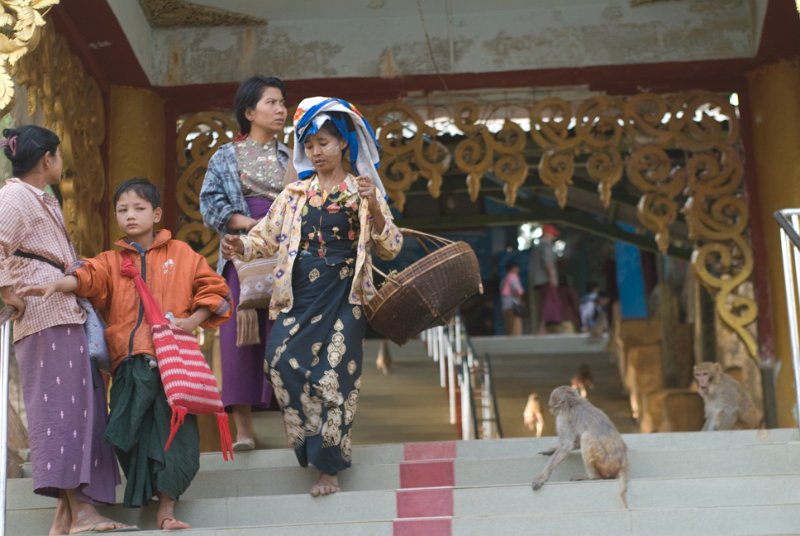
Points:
(64, 396)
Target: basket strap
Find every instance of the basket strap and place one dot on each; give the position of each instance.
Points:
(419, 234)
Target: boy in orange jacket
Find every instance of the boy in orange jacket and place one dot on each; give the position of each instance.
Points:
(183, 284)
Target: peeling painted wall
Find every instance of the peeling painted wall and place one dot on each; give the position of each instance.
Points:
(549, 34)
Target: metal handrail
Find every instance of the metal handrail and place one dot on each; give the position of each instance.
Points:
(451, 347)
(5, 362)
(782, 216)
(493, 394)
(789, 221)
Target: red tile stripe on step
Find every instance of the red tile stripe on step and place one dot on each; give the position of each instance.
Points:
(435, 450)
(425, 500)
(427, 474)
(423, 527)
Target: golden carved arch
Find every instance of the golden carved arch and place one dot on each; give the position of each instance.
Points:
(199, 136)
(21, 23)
(615, 137)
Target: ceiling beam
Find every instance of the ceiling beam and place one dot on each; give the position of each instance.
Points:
(533, 210)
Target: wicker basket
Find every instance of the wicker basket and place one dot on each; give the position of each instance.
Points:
(428, 292)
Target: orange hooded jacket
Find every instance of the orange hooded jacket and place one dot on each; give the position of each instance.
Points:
(179, 278)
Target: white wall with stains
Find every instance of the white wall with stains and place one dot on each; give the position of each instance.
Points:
(320, 38)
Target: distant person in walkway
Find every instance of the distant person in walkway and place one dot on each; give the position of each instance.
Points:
(593, 306)
(186, 286)
(570, 307)
(64, 396)
(544, 280)
(511, 293)
(243, 179)
(323, 229)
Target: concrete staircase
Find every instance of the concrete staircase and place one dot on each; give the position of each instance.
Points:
(716, 483)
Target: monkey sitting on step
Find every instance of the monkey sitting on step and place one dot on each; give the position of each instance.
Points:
(581, 425)
(583, 381)
(727, 405)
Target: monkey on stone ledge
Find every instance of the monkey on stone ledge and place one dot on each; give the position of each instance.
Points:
(581, 425)
(727, 405)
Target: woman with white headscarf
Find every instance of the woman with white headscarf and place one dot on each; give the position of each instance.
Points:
(323, 229)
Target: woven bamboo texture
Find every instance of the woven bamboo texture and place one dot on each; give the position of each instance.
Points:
(427, 293)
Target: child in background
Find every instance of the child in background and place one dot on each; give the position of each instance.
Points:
(185, 285)
(593, 314)
(511, 303)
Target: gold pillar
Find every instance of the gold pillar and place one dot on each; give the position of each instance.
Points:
(136, 146)
(775, 115)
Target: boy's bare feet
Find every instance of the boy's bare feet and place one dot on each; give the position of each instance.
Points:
(326, 485)
(170, 523)
(165, 517)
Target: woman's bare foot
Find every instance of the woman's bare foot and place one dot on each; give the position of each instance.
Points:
(84, 517)
(165, 517)
(326, 485)
(63, 518)
(243, 419)
(102, 524)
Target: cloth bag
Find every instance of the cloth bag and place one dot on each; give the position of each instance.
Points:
(188, 382)
(95, 328)
(255, 292)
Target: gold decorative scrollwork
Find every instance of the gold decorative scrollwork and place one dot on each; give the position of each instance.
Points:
(21, 23)
(695, 121)
(199, 136)
(718, 218)
(71, 105)
(556, 169)
(405, 159)
(475, 155)
(680, 153)
(644, 117)
(650, 170)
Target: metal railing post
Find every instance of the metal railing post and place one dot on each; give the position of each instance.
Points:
(5, 361)
(788, 220)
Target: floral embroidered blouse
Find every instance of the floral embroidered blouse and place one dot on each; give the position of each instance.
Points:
(341, 242)
(280, 232)
(260, 170)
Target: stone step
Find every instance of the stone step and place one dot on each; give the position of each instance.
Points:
(765, 459)
(520, 447)
(769, 520)
(349, 507)
(567, 499)
(504, 448)
(643, 494)
(375, 528)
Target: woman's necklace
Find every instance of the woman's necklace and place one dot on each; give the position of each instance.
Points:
(328, 185)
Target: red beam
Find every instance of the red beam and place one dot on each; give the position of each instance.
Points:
(761, 284)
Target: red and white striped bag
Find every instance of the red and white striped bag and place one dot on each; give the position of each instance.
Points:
(188, 382)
